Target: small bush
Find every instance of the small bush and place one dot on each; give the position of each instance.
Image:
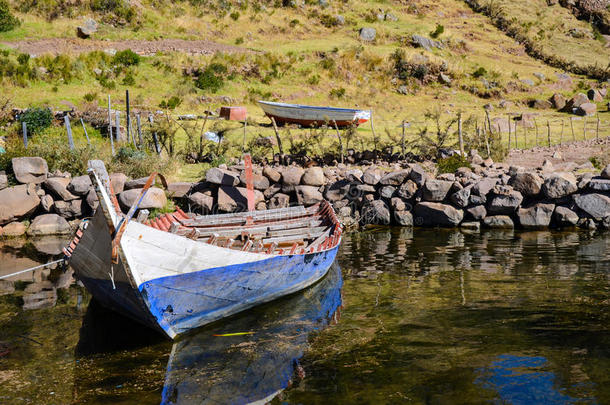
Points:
(212, 78)
(438, 31)
(328, 63)
(451, 164)
(480, 72)
(126, 58)
(314, 79)
(234, 16)
(171, 103)
(129, 80)
(337, 93)
(7, 20)
(36, 119)
(89, 97)
(239, 41)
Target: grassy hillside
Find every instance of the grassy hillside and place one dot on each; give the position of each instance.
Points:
(311, 53)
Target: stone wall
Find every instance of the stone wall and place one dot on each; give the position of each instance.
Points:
(488, 194)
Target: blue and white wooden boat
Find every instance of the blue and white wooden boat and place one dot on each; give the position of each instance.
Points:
(198, 269)
(314, 116)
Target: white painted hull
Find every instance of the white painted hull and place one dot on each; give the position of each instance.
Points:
(314, 116)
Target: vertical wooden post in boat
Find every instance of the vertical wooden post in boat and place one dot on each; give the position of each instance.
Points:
(85, 130)
(24, 129)
(117, 123)
(128, 118)
(69, 131)
(340, 140)
(139, 124)
(154, 135)
(572, 127)
(110, 127)
(402, 139)
(536, 126)
(548, 132)
(461, 139)
(277, 137)
(249, 183)
(243, 144)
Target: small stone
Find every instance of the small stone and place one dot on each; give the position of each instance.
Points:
(403, 218)
(58, 186)
(272, 174)
(88, 28)
(436, 190)
(527, 183)
(80, 185)
(179, 189)
(605, 172)
(407, 190)
(367, 34)
(387, 191)
(505, 203)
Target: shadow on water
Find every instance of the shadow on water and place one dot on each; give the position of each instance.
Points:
(247, 358)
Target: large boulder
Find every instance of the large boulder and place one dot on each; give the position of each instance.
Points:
(536, 216)
(505, 203)
(461, 197)
(367, 33)
(418, 175)
(222, 177)
(69, 209)
(527, 183)
(259, 181)
(308, 195)
(407, 190)
(586, 109)
(375, 212)
(58, 186)
(48, 224)
(3, 180)
(395, 178)
(564, 216)
(484, 186)
(80, 185)
(498, 221)
(599, 184)
(596, 205)
(47, 202)
(118, 181)
(436, 190)
(291, 176)
(338, 190)
(279, 200)
(386, 191)
(437, 214)
(14, 229)
(88, 28)
(154, 198)
(313, 176)
(371, 177)
(202, 201)
(605, 172)
(403, 218)
(17, 202)
(273, 175)
(91, 199)
(559, 185)
(179, 189)
(235, 199)
(30, 169)
(477, 212)
(426, 43)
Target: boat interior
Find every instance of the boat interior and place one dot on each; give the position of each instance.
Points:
(282, 231)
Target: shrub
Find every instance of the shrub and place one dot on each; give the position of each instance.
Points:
(127, 58)
(234, 15)
(129, 80)
(451, 164)
(337, 93)
(239, 41)
(120, 8)
(7, 20)
(36, 119)
(212, 78)
(171, 104)
(480, 72)
(438, 31)
(89, 97)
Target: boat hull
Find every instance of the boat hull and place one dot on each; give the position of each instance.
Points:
(311, 116)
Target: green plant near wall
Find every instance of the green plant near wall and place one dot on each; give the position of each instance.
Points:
(36, 119)
(7, 20)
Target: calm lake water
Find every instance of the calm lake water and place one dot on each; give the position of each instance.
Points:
(435, 316)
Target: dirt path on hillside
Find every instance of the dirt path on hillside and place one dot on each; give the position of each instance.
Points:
(142, 47)
(578, 152)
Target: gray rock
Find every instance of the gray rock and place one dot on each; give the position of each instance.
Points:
(367, 33)
(69, 209)
(407, 190)
(154, 198)
(118, 181)
(135, 183)
(179, 189)
(536, 216)
(48, 224)
(599, 184)
(3, 181)
(291, 176)
(202, 201)
(92, 200)
(472, 226)
(436, 190)
(559, 185)
(461, 197)
(444, 79)
(605, 172)
(375, 212)
(527, 183)
(437, 214)
(387, 191)
(477, 212)
(272, 174)
(17, 202)
(505, 203)
(398, 204)
(308, 195)
(395, 178)
(80, 185)
(313, 176)
(58, 186)
(88, 28)
(578, 100)
(30, 169)
(371, 177)
(235, 199)
(367, 189)
(272, 190)
(418, 175)
(595, 95)
(558, 101)
(484, 186)
(586, 109)
(403, 218)
(426, 43)
(338, 190)
(498, 221)
(584, 180)
(14, 229)
(279, 200)
(47, 203)
(596, 205)
(354, 175)
(564, 216)
(259, 181)
(222, 177)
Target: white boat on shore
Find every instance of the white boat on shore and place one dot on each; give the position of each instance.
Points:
(312, 116)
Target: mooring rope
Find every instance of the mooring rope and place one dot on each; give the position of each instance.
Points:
(31, 269)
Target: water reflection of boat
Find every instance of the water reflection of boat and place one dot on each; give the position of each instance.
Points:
(250, 368)
(239, 369)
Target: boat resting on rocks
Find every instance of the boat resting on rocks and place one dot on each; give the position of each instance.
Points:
(312, 116)
(180, 271)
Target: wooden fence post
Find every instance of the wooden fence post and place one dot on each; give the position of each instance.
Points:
(548, 132)
(117, 123)
(524, 133)
(402, 139)
(277, 137)
(374, 136)
(205, 121)
(128, 118)
(110, 127)
(24, 129)
(154, 135)
(340, 141)
(584, 129)
(69, 131)
(139, 124)
(561, 134)
(572, 127)
(597, 128)
(508, 133)
(536, 126)
(461, 139)
(85, 129)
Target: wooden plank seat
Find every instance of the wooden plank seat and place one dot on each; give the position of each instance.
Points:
(256, 216)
